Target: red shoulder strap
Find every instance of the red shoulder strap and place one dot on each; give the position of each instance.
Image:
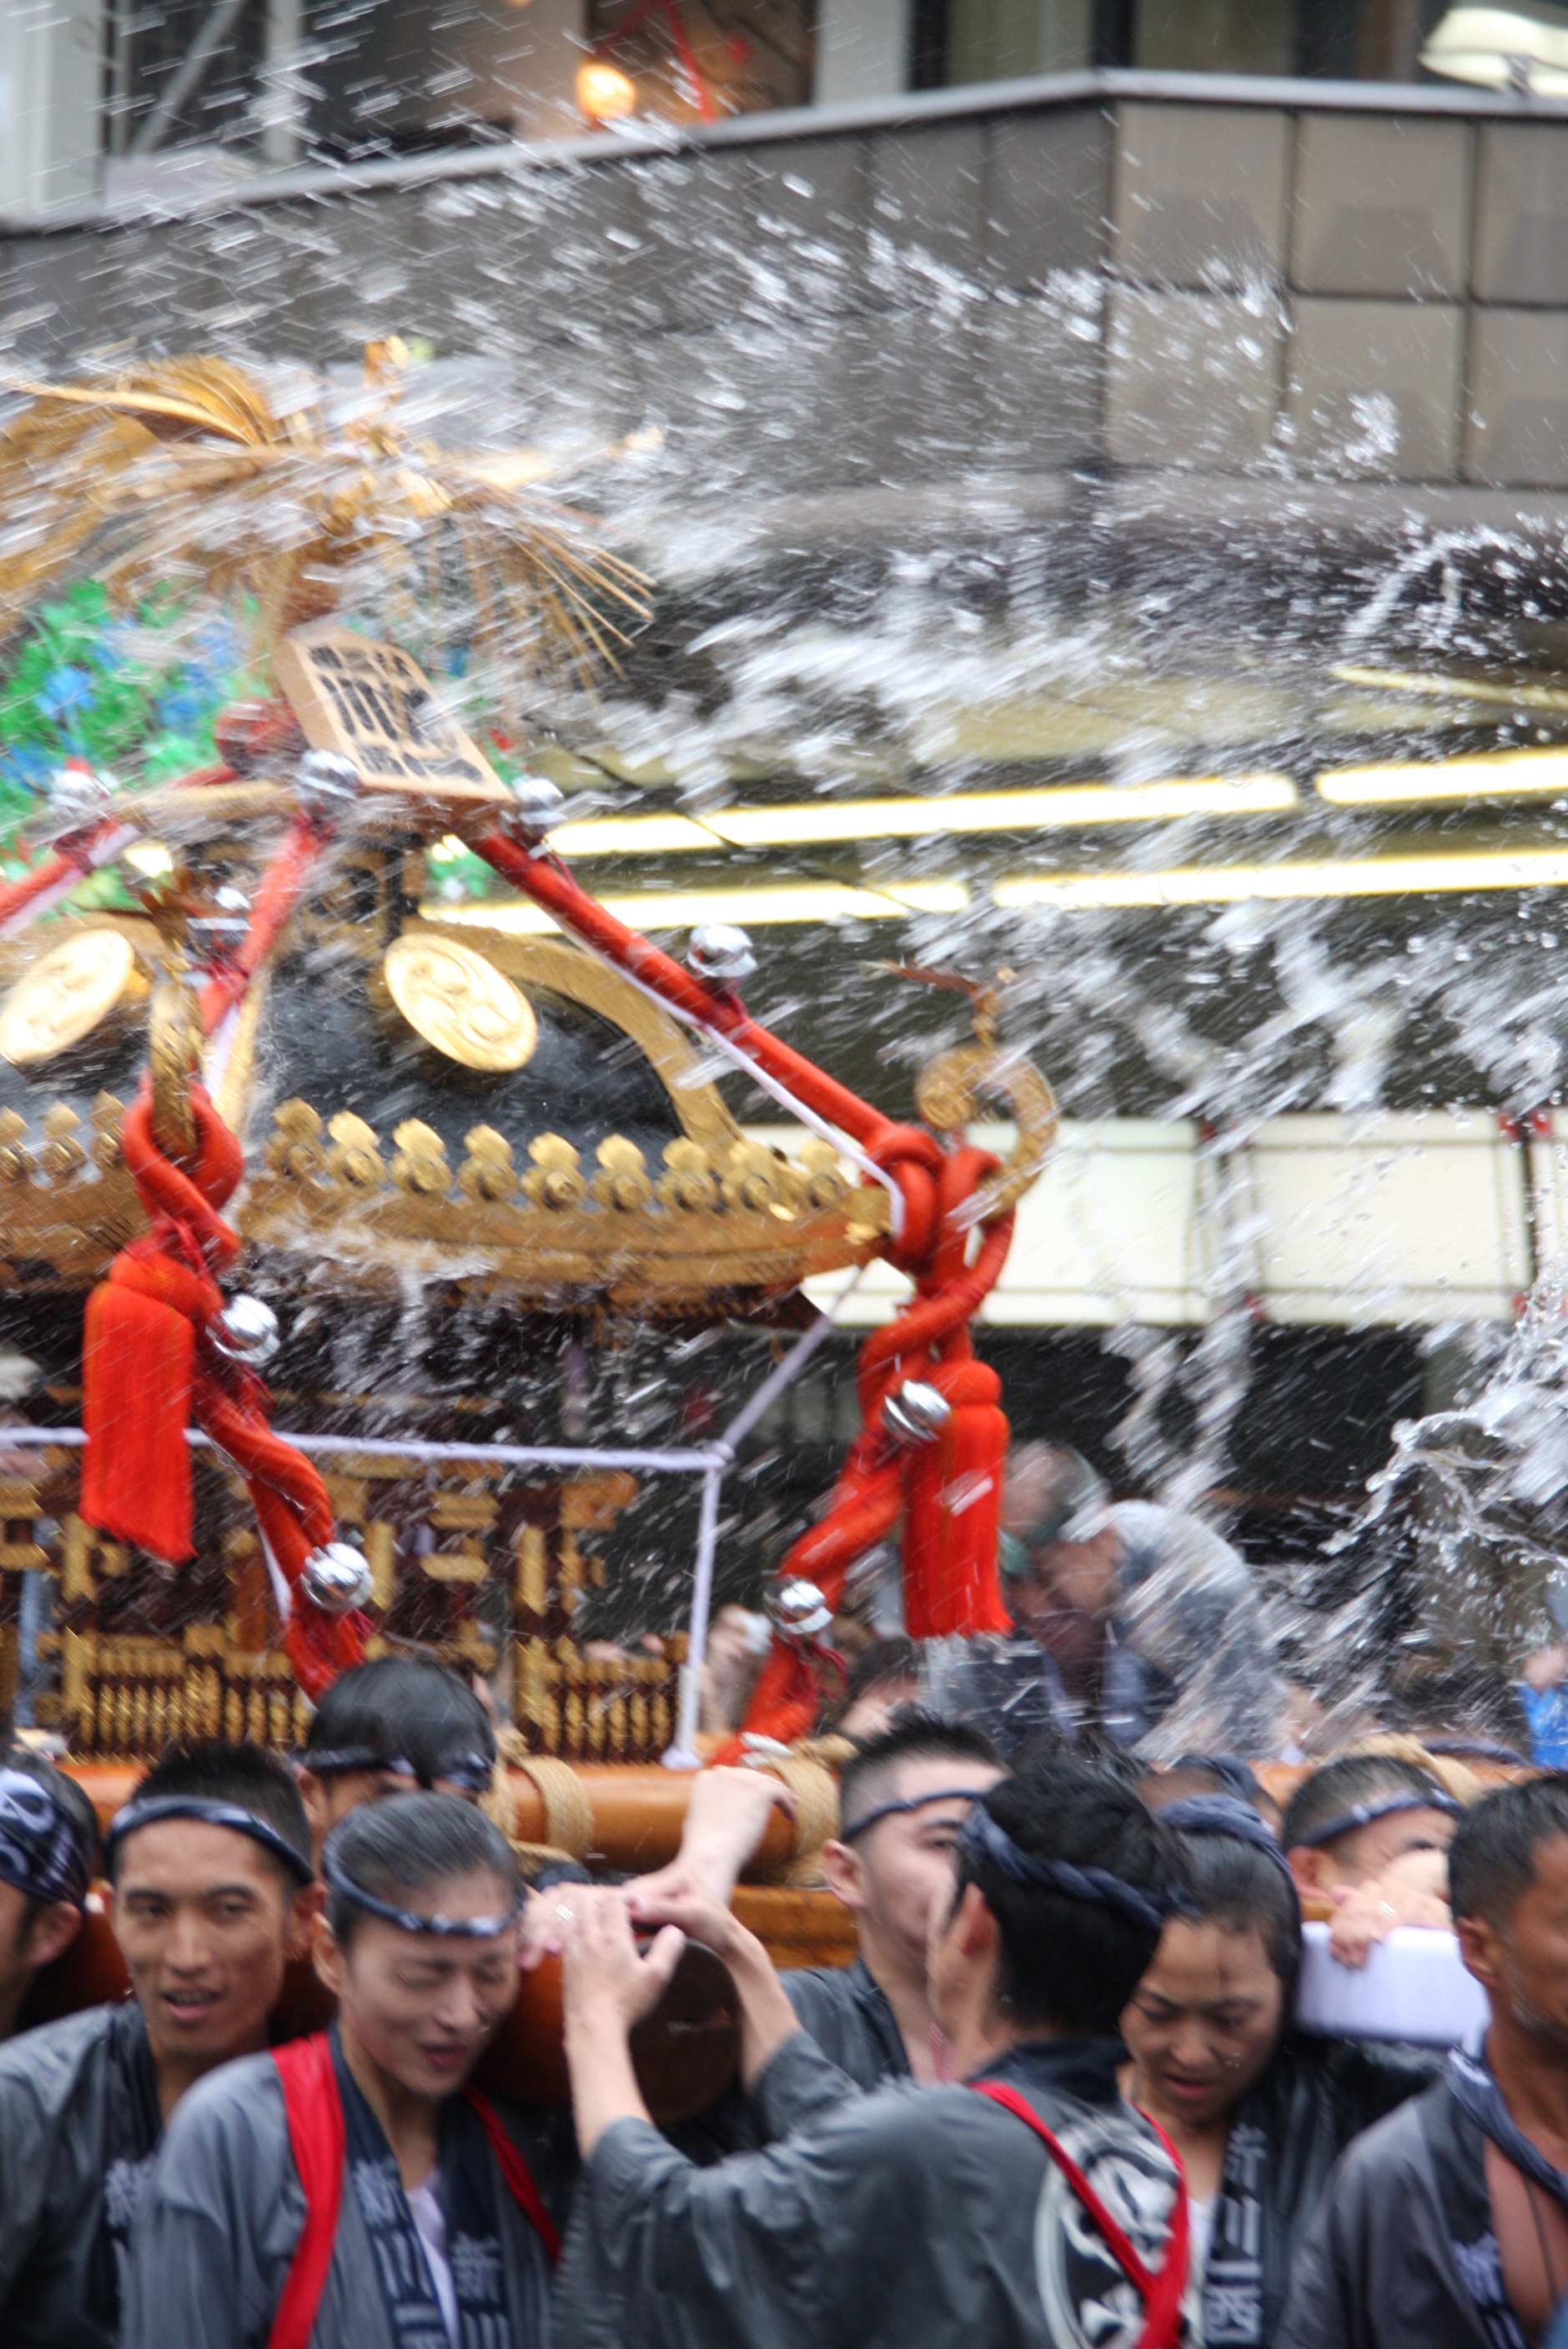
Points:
(518, 2176)
(316, 2135)
(1160, 2293)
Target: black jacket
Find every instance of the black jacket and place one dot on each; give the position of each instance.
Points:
(1287, 2133)
(1401, 2254)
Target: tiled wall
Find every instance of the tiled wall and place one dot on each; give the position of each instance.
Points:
(1278, 289)
(1397, 303)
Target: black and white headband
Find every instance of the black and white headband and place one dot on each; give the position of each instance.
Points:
(910, 1803)
(42, 1850)
(409, 1920)
(1148, 1905)
(146, 1814)
(1222, 1814)
(1380, 1806)
(473, 1771)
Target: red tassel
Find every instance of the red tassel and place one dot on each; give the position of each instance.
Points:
(136, 1364)
(954, 1498)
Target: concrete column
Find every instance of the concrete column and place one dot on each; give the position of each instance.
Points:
(863, 50)
(51, 80)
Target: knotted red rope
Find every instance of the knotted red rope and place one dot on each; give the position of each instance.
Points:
(947, 1490)
(148, 1368)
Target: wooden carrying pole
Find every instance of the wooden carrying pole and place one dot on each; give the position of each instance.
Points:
(629, 1815)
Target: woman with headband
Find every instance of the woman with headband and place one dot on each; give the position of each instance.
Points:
(1258, 2113)
(213, 1892)
(351, 2190)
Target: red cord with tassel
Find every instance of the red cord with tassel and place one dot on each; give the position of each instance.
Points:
(948, 1489)
(148, 1368)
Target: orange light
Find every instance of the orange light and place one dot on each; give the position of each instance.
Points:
(605, 94)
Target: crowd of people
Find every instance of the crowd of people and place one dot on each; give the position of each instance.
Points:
(1059, 2097)
(1062, 2099)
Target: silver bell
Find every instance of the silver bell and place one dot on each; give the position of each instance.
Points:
(245, 1332)
(326, 783)
(536, 804)
(797, 1608)
(78, 797)
(717, 951)
(336, 1577)
(915, 1412)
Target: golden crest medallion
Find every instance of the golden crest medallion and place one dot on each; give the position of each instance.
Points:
(65, 995)
(460, 1003)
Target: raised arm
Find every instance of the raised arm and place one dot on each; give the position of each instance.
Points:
(725, 1821)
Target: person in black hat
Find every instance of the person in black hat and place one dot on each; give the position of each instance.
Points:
(213, 1892)
(48, 1854)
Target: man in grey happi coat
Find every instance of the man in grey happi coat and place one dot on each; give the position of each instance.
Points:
(915, 2218)
(213, 1892)
(902, 1800)
(1133, 1620)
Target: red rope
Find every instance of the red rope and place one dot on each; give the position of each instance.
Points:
(912, 1156)
(880, 1482)
(149, 1364)
(282, 886)
(877, 1482)
(74, 858)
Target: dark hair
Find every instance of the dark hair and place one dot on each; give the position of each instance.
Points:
(1069, 1963)
(246, 1775)
(1235, 1884)
(71, 1796)
(914, 1736)
(401, 1707)
(1355, 1778)
(1491, 1859)
(409, 1843)
(886, 1660)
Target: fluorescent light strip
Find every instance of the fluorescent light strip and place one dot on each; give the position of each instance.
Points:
(1498, 774)
(1193, 884)
(816, 824)
(1229, 884)
(677, 909)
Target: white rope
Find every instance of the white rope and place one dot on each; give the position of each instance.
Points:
(781, 1092)
(106, 849)
(398, 1447)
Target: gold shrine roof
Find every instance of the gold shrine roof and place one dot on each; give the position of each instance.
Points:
(504, 1112)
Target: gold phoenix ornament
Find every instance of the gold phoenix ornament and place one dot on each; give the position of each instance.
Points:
(198, 481)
